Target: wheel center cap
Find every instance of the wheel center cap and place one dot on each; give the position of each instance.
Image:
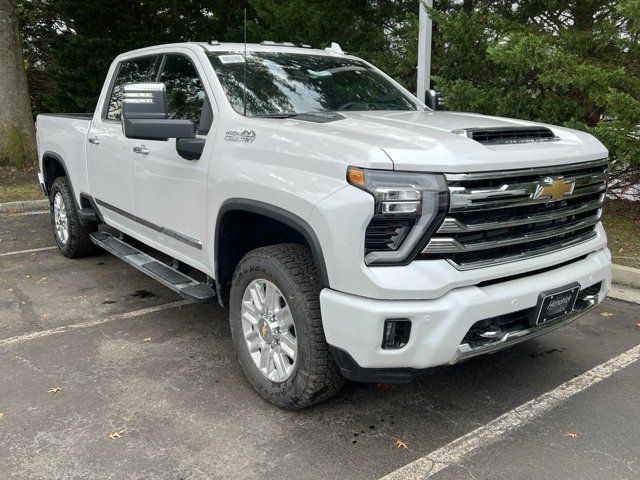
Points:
(268, 329)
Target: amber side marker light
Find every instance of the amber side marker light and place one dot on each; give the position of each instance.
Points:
(355, 177)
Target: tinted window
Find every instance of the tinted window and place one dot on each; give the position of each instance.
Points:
(287, 83)
(130, 71)
(185, 94)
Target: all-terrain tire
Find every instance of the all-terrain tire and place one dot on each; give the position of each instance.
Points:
(79, 242)
(316, 376)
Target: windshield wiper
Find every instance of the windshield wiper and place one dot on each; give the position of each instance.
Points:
(317, 117)
(278, 115)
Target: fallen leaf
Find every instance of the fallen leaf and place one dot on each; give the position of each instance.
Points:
(401, 444)
(117, 433)
(606, 314)
(384, 386)
(54, 390)
(570, 435)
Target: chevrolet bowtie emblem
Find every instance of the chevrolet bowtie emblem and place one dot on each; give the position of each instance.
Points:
(553, 188)
(263, 330)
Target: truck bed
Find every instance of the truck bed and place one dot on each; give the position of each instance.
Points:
(64, 136)
(75, 116)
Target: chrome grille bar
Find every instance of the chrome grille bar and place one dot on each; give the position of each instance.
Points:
(529, 253)
(523, 172)
(519, 194)
(453, 225)
(451, 245)
(495, 217)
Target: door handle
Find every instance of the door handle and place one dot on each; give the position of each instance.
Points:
(93, 140)
(141, 150)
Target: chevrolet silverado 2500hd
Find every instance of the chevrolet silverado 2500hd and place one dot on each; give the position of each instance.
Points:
(351, 231)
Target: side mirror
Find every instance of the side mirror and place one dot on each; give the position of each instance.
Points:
(434, 100)
(144, 114)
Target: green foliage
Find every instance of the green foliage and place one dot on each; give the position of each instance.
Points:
(571, 63)
(567, 62)
(15, 150)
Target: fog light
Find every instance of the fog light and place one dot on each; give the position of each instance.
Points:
(396, 333)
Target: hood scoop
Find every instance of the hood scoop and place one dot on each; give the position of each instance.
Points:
(508, 135)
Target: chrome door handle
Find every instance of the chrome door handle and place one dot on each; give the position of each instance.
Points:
(93, 140)
(141, 150)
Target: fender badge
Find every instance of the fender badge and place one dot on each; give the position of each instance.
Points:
(242, 136)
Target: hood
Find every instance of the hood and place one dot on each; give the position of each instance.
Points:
(423, 141)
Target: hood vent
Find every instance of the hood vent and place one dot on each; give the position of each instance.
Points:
(508, 135)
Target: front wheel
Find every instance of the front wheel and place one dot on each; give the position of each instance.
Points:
(277, 328)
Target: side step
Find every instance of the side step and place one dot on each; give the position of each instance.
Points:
(180, 283)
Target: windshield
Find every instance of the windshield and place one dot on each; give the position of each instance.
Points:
(289, 84)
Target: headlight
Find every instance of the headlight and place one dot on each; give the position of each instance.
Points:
(408, 208)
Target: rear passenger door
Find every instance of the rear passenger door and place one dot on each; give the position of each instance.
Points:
(171, 192)
(109, 159)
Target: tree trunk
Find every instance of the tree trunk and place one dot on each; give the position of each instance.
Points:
(17, 131)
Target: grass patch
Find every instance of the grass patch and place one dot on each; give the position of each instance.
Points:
(622, 221)
(16, 193)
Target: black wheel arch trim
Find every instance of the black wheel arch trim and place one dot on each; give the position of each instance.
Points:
(86, 196)
(60, 160)
(279, 214)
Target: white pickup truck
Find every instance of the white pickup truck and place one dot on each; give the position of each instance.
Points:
(351, 231)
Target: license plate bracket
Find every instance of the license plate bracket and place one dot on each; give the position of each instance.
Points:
(555, 303)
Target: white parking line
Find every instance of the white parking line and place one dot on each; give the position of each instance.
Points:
(23, 214)
(93, 323)
(32, 250)
(467, 445)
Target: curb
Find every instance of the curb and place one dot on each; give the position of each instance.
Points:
(627, 276)
(24, 206)
(626, 294)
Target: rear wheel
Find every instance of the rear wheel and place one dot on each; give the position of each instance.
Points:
(277, 327)
(71, 236)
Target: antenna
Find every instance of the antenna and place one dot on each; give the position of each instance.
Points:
(244, 92)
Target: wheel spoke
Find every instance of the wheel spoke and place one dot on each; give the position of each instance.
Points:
(250, 317)
(280, 363)
(271, 297)
(289, 345)
(284, 317)
(258, 299)
(265, 359)
(253, 341)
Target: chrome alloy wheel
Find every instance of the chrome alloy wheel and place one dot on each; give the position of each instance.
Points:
(269, 331)
(60, 219)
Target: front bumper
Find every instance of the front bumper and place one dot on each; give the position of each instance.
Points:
(354, 325)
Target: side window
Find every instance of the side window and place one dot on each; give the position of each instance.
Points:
(186, 98)
(130, 71)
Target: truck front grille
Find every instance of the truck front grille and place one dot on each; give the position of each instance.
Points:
(499, 217)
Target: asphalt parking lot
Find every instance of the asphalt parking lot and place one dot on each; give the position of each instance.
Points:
(129, 356)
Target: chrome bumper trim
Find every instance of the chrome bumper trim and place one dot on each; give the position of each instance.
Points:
(465, 351)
